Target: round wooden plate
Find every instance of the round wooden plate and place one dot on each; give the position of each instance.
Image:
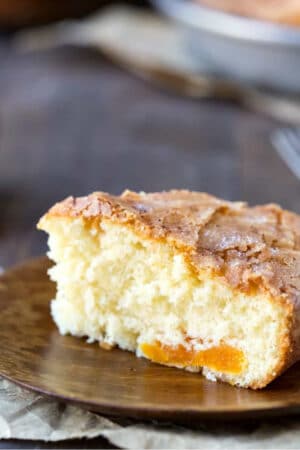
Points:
(34, 355)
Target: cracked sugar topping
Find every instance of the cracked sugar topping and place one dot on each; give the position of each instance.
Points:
(248, 245)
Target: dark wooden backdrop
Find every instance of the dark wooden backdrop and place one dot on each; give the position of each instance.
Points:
(72, 123)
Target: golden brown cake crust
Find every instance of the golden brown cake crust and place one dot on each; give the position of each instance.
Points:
(250, 246)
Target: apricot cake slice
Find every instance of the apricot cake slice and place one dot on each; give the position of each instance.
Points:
(181, 278)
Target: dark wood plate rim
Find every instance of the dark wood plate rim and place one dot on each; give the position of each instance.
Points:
(164, 413)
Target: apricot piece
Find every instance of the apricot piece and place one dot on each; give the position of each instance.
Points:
(222, 358)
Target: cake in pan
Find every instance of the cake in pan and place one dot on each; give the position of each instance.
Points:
(181, 278)
(286, 12)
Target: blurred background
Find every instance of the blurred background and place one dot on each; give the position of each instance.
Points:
(103, 95)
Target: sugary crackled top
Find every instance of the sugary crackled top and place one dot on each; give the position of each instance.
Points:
(248, 245)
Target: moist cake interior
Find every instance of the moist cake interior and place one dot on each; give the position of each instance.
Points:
(118, 288)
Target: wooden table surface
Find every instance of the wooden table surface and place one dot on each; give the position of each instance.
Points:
(72, 123)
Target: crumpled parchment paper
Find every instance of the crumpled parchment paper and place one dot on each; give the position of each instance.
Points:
(27, 415)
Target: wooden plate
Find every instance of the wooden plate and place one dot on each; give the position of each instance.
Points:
(34, 355)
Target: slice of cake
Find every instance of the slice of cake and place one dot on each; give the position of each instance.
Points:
(181, 278)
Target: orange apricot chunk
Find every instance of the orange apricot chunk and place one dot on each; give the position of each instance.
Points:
(222, 358)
